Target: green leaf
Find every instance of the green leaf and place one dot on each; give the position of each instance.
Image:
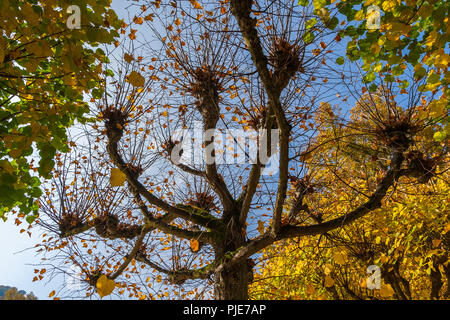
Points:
(439, 136)
(369, 77)
(30, 218)
(373, 87)
(308, 37)
(332, 23)
(310, 23)
(340, 60)
(318, 4)
(433, 78)
(419, 72)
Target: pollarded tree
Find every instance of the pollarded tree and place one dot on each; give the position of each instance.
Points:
(127, 201)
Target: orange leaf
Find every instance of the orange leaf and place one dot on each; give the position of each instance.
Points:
(194, 245)
(436, 242)
(195, 4)
(128, 57)
(261, 227)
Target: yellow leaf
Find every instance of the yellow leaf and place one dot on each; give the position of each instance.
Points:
(6, 166)
(375, 48)
(261, 227)
(310, 289)
(436, 243)
(2, 50)
(431, 39)
(105, 286)
(329, 282)
(389, 5)
(442, 59)
(340, 257)
(360, 15)
(136, 79)
(327, 268)
(446, 229)
(363, 283)
(51, 294)
(400, 27)
(194, 245)
(117, 177)
(323, 296)
(386, 291)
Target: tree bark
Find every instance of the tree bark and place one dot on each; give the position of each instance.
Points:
(231, 282)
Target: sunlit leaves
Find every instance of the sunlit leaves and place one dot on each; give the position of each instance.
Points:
(403, 237)
(424, 36)
(48, 75)
(439, 136)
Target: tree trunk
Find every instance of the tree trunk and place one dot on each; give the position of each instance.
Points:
(231, 283)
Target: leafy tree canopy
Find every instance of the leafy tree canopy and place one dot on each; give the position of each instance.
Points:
(46, 65)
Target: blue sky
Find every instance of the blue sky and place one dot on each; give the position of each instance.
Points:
(15, 268)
